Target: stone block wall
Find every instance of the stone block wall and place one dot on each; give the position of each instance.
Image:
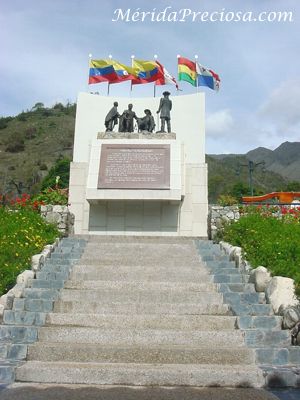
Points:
(61, 216)
(218, 215)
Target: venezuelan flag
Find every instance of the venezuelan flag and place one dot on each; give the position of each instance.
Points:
(187, 71)
(145, 72)
(102, 71)
(109, 71)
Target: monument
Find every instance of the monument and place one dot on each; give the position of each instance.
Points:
(130, 180)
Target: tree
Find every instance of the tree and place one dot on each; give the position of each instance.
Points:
(37, 106)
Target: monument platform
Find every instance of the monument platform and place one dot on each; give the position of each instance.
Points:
(139, 183)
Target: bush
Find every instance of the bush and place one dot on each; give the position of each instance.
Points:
(61, 169)
(16, 146)
(52, 196)
(269, 238)
(227, 200)
(23, 233)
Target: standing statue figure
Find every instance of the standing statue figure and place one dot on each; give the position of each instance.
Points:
(146, 123)
(165, 106)
(112, 118)
(126, 120)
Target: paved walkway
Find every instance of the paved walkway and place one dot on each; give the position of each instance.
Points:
(82, 392)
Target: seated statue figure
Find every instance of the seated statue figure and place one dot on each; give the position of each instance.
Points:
(146, 123)
(126, 120)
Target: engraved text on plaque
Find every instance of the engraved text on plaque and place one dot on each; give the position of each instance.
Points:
(134, 166)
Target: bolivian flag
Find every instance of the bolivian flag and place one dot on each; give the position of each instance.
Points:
(187, 71)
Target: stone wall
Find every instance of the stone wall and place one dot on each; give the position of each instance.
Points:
(61, 216)
(218, 215)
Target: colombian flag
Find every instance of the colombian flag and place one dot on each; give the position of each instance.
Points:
(145, 72)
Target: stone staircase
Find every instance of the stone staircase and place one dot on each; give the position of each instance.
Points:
(20, 324)
(279, 361)
(146, 311)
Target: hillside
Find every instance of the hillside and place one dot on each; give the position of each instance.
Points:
(33, 141)
(285, 160)
(282, 166)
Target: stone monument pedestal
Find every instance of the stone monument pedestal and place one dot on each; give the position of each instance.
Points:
(138, 183)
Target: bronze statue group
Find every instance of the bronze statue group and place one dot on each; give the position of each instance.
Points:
(144, 124)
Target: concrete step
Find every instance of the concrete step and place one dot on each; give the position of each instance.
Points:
(141, 308)
(13, 351)
(78, 352)
(142, 285)
(278, 356)
(142, 295)
(142, 337)
(147, 253)
(268, 322)
(263, 338)
(12, 317)
(154, 321)
(139, 273)
(128, 240)
(142, 244)
(140, 374)
(7, 372)
(129, 260)
(227, 278)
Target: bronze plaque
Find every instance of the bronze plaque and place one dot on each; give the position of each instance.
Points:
(134, 166)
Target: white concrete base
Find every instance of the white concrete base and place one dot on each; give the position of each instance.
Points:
(187, 217)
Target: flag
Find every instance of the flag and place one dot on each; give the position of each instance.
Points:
(110, 71)
(102, 71)
(207, 77)
(187, 71)
(166, 78)
(145, 72)
(123, 72)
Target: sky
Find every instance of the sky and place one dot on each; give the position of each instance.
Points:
(45, 47)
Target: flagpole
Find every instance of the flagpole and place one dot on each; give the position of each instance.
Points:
(108, 84)
(178, 56)
(88, 85)
(132, 61)
(196, 59)
(154, 89)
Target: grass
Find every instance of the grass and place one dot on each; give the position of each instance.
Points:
(23, 233)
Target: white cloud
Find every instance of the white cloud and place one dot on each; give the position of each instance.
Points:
(281, 109)
(219, 123)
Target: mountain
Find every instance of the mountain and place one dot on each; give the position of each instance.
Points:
(285, 160)
(282, 166)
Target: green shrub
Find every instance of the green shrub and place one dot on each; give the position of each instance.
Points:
(273, 242)
(23, 233)
(52, 196)
(227, 200)
(61, 169)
